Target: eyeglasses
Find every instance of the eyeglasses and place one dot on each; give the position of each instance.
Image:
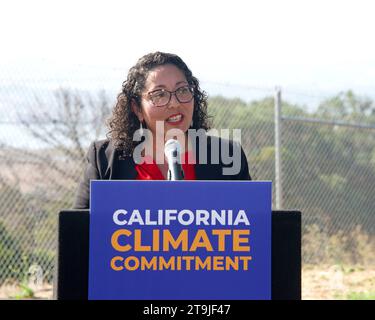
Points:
(162, 97)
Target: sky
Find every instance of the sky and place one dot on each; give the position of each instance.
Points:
(310, 47)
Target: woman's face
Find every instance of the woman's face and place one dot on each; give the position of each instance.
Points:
(175, 114)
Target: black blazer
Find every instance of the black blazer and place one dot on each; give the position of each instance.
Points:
(104, 162)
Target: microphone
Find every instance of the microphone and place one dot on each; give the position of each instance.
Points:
(172, 151)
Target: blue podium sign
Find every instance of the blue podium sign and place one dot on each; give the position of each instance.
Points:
(180, 240)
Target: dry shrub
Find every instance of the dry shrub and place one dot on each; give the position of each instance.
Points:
(351, 248)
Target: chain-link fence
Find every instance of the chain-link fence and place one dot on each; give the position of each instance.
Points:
(327, 167)
(329, 172)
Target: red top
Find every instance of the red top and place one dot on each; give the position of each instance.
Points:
(149, 170)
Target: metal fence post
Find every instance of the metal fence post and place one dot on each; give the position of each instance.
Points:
(278, 181)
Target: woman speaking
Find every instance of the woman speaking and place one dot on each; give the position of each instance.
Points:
(160, 100)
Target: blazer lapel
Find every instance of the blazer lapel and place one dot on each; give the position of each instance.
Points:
(124, 168)
(120, 167)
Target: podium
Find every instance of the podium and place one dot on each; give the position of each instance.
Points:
(72, 262)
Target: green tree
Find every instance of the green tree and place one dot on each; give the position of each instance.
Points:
(348, 106)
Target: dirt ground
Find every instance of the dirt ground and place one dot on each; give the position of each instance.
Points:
(329, 283)
(13, 291)
(338, 283)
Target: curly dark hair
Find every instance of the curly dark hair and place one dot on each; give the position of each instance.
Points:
(123, 121)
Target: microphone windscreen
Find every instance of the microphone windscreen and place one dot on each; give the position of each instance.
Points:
(172, 148)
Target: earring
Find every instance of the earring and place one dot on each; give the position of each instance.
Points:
(191, 124)
(141, 128)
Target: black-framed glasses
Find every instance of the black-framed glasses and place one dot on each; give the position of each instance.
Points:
(162, 97)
